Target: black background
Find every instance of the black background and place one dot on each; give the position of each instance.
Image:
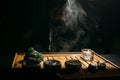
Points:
(25, 23)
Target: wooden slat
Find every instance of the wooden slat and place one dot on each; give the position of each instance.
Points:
(111, 68)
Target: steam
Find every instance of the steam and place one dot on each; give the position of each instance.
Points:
(67, 31)
(69, 6)
(74, 11)
(50, 36)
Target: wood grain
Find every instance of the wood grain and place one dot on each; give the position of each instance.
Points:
(111, 68)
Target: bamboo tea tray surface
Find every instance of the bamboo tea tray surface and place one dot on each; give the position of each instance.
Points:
(110, 70)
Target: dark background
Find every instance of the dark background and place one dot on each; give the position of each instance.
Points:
(25, 23)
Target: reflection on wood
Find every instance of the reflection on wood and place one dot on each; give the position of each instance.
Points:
(110, 70)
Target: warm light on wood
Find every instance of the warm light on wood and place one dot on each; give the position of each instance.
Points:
(111, 68)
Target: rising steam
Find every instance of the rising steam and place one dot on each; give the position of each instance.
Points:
(67, 30)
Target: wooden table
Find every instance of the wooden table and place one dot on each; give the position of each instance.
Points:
(110, 71)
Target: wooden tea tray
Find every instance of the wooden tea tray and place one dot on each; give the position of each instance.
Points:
(110, 71)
